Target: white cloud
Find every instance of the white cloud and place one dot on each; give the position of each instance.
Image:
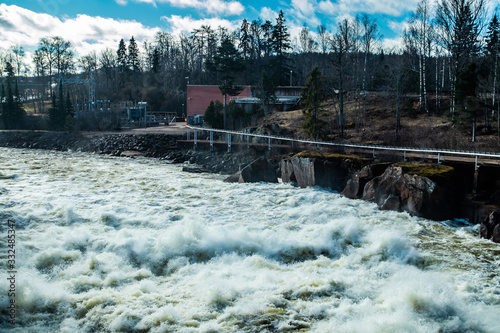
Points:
(219, 7)
(392, 44)
(305, 11)
(185, 25)
(388, 7)
(398, 27)
(86, 33)
(267, 14)
(327, 7)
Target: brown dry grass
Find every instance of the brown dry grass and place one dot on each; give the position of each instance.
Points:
(377, 125)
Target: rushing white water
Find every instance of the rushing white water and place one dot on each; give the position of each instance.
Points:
(118, 245)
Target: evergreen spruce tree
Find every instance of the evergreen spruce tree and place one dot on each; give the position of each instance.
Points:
(245, 44)
(122, 54)
(266, 92)
(69, 106)
(12, 112)
(122, 62)
(133, 55)
(52, 113)
(312, 96)
(280, 45)
(69, 122)
(57, 113)
(213, 115)
(227, 64)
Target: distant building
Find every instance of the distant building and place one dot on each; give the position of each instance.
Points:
(199, 98)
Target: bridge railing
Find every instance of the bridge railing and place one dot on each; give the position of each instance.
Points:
(373, 148)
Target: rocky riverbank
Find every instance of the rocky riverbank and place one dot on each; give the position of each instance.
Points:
(148, 145)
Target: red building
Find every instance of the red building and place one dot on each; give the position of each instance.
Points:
(199, 98)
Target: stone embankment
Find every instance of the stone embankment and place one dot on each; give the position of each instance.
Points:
(149, 145)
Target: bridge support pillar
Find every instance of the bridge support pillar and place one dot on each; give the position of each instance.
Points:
(211, 140)
(476, 177)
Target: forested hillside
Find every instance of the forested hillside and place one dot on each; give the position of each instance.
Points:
(446, 66)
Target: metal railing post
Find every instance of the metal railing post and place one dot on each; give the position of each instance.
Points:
(248, 141)
(269, 144)
(229, 142)
(188, 136)
(211, 141)
(195, 139)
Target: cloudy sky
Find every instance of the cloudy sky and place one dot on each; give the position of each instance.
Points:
(92, 25)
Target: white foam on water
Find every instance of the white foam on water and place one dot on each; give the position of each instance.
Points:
(112, 245)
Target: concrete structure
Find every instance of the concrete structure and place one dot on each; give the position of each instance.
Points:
(199, 98)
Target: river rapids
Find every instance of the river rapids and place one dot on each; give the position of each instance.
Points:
(109, 244)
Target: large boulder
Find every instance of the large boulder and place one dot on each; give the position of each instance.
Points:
(356, 184)
(490, 227)
(417, 195)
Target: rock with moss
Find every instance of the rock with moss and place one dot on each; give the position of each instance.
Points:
(418, 195)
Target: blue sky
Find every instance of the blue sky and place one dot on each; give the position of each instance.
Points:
(93, 25)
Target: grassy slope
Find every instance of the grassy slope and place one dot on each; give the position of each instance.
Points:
(433, 130)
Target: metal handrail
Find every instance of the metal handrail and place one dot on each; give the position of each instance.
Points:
(349, 145)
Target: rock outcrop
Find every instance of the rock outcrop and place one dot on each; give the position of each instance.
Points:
(417, 195)
(330, 171)
(490, 227)
(259, 170)
(355, 186)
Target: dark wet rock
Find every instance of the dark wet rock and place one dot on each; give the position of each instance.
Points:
(314, 172)
(418, 195)
(233, 178)
(392, 203)
(490, 227)
(495, 198)
(312, 168)
(194, 169)
(259, 170)
(356, 184)
(132, 153)
(496, 234)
